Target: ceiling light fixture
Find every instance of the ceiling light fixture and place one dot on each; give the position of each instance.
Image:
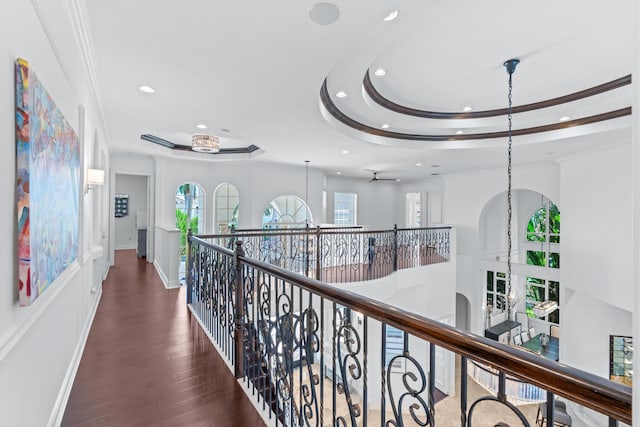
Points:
(391, 16)
(385, 126)
(511, 298)
(146, 89)
(345, 151)
(467, 108)
(564, 119)
(341, 94)
(380, 72)
(205, 143)
(418, 164)
(201, 126)
(459, 132)
(338, 173)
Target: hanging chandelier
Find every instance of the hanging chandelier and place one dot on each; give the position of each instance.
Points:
(511, 298)
(205, 143)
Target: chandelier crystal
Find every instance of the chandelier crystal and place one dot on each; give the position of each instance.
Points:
(205, 143)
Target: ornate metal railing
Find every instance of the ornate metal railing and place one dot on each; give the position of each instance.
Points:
(312, 354)
(338, 255)
(517, 391)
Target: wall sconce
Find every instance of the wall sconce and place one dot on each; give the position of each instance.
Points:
(93, 177)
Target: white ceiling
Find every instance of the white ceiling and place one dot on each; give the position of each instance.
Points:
(256, 69)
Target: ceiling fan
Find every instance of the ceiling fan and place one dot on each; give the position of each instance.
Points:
(375, 178)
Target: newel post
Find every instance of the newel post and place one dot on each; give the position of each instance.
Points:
(395, 247)
(239, 309)
(189, 268)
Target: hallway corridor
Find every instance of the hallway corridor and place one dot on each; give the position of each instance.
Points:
(147, 362)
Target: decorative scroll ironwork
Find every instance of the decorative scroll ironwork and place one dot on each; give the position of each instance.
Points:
(347, 339)
(310, 343)
(421, 413)
(505, 403)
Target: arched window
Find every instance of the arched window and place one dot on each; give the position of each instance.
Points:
(227, 208)
(286, 212)
(189, 212)
(543, 250)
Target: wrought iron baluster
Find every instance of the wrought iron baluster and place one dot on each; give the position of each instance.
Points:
(412, 394)
(348, 336)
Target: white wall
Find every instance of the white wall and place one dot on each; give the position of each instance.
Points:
(40, 345)
(135, 186)
(597, 255)
(596, 242)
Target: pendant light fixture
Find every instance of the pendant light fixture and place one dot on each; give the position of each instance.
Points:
(511, 299)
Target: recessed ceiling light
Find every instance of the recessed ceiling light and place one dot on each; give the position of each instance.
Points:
(467, 108)
(338, 173)
(418, 164)
(201, 126)
(459, 132)
(435, 166)
(341, 94)
(380, 72)
(391, 16)
(434, 174)
(397, 180)
(345, 151)
(385, 126)
(146, 89)
(564, 119)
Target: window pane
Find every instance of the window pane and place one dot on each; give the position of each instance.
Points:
(538, 221)
(344, 209)
(500, 302)
(490, 280)
(535, 280)
(535, 293)
(554, 260)
(501, 286)
(490, 299)
(535, 237)
(501, 275)
(554, 219)
(554, 291)
(554, 238)
(536, 258)
(554, 317)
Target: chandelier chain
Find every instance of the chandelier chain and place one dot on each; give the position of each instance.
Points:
(509, 206)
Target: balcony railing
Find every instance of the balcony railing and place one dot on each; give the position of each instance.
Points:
(313, 355)
(338, 255)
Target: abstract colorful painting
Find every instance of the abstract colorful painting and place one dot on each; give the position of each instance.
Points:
(47, 187)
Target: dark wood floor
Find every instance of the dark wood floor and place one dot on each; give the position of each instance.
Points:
(147, 362)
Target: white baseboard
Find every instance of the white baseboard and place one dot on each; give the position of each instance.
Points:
(55, 419)
(169, 284)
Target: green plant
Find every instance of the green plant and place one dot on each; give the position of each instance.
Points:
(181, 224)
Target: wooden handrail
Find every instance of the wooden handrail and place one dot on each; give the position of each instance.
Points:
(594, 392)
